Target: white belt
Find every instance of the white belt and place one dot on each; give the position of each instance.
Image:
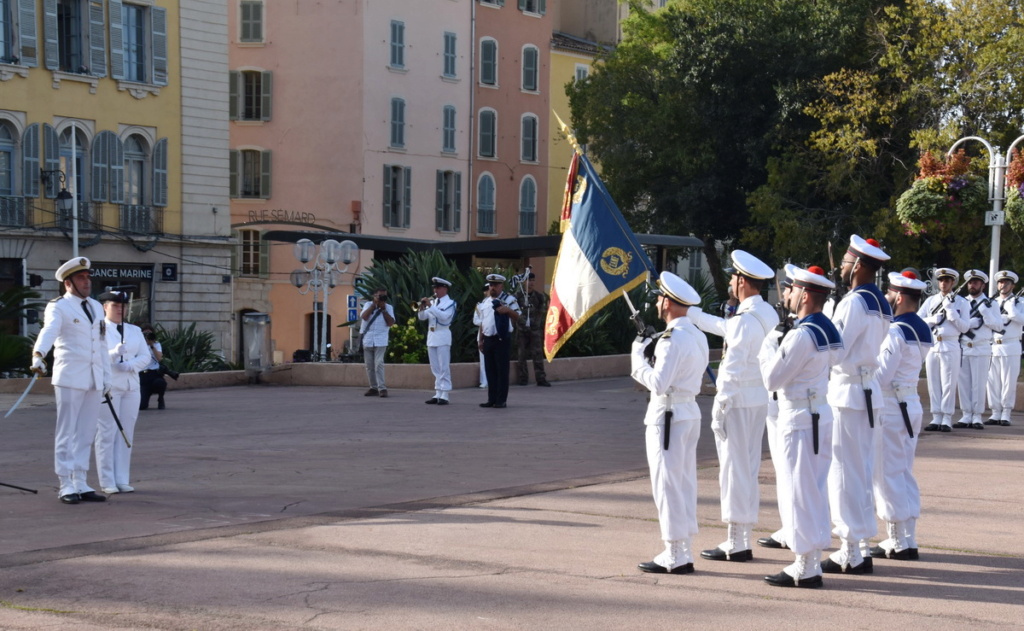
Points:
(439, 327)
(976, 344)
(675, 398)
(865, 373)
(1006, 340)
(748, 383)
(810, 402)
(900, 392)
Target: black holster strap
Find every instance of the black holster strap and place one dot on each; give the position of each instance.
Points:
(906, 418)
(814, 429)
(668, 428)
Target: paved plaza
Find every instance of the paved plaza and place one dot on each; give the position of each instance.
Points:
(269, 507)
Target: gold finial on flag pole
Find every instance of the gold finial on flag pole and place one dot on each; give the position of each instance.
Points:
(567, 133)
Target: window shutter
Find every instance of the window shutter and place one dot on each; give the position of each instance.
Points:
(234, 93)
(530, 55)
(30, 161)
(233, 167)
(264, 257)
(522, 5)
(51, 162)
(97, 41)
(27, 32)
(159, 46)
(543, 6)
(160, 173)
(116, 14)
(267, 85)
(407, 198)
(265, 174)
(100, 155)
(387, 195)
(236, 251)
(116, 169)
(439, 203)
(458, 202)
(51, 51)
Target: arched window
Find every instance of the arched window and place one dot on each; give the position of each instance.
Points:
(485, 204)
(528, 206)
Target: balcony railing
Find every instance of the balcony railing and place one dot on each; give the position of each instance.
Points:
(13, 212)
(137, 219)
(63, 219)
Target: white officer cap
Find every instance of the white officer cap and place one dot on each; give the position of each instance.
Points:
(947, 272)
(867, 249)
(72, 267)
(749, 265)
(1005, 274)
(677, 289)
(906, 282)
(976, 274)
(495, 278)
(437, 281)
(812, 279)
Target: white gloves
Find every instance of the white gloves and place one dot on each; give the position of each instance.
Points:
(120, 349)
(38, 365)
(106, 390)
(718, 420)
(123, 366)
(637, 353)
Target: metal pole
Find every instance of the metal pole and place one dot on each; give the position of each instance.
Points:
(998, 195)
(74, 192)
(316, 319)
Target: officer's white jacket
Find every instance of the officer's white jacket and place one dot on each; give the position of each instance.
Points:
(439, 318)
(486, 309)
(680, 358)
(80, 357)
(982, 325)
(1011, 310)
(136, 355)
(948, 322)
(863, 331)
(739, 380)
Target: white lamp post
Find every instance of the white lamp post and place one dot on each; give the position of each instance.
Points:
(996, 194)
(319, 274)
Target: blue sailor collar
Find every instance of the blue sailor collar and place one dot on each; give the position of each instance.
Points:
(874, 300)
(914, 329)
(826, 335)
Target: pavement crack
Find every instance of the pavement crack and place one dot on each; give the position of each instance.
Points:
(287, 506)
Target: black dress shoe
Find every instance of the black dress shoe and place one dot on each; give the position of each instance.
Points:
(768, 542)
(487, 405)
(785, 580)
(866, 566)
(932, 427)
(442, 401)
(431, 401)
(1004, 423)
(92, 496)
(499, 405)
(977, 426)
(372, 392)
(913, 556)
(961, 425)
(879, 552)
(718, 554)
(160, 405)
(543, 383)
(945, 428)
(992, 421)
(653, 568)
(70, 498)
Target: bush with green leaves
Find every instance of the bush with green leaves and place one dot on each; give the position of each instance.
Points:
(189, 350)
(16, 350)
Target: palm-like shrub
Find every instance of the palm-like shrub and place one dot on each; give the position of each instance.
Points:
(16, 350)
(188, 350)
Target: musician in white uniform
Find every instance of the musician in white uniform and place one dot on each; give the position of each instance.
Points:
(946, 314)
(439, 313)
(128, 354)
(1006, 351)
(73, 326)
(741, 403)
(796, 366)
(673, 374)
(976, 349)
(897, 497)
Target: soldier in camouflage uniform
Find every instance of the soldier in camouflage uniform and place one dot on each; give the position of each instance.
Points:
(530, 333)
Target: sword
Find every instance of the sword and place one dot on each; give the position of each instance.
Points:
(110, 404)
(24, 394)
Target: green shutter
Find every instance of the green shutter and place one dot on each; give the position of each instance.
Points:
(267, 85)
(30, 161)
(159, 173)
(159, 46)
(100, 167)
(387, 196)
(265, 174)
(116, 169)
(236, 248)
(234, 93)
(458, 202)
(116, 39)
(407, 199)
(51, 158)
(522, 5)
(439, 203)
(264, 257)
(234, 159)
(27, 33)
(51, 50)
(97, 41)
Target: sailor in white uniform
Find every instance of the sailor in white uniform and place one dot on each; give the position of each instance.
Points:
(1006, 351)
(439, 313)
(946, 314)
(976, 349)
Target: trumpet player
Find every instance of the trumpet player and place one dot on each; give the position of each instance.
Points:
(439, 311)
(1002, 377)
(946, 314)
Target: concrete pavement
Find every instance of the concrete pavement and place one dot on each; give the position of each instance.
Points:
(262, 507)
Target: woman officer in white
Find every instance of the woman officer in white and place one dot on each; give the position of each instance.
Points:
(128, 355)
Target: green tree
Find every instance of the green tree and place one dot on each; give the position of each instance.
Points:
(685, 114)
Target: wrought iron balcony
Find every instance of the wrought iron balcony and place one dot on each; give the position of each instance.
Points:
(13, 212)
(137, 219)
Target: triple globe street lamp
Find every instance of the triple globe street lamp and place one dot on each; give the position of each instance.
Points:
(321, 270)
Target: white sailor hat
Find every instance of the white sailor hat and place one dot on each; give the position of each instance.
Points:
(1005, 274)
(906, 282)
(976, 274)
(947, 272)
(789, 273)
(72, 267)
(867, 249)
(747, 264)
(677, 289)
(495, 278)
(812, 279)
(437, 281)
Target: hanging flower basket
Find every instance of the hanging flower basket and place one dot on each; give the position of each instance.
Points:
(944, 193)
(1014, 206)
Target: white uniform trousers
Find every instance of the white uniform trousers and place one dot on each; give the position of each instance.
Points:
(803, 486)
(1002, 384)
(674, 477)
(440, 358)
(850, 475)
(113, 457)
(897, 497)
(943, 372)
(76, 428)
(772, 432)
(483, 373)
(739, 457)
(973, 380)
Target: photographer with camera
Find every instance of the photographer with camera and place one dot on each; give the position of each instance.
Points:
(151, 380)
(377, 317)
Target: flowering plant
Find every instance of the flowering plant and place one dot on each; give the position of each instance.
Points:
(942, 192)
(1014, 205)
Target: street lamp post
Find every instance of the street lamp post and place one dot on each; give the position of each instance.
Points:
(319, 275)
(996, 194)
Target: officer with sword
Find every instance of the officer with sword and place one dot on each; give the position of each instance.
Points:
(74, 327)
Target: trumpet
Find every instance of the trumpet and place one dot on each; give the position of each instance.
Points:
(425, 302)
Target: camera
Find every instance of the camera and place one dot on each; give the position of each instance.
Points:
(382, 297)
(150, 336)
